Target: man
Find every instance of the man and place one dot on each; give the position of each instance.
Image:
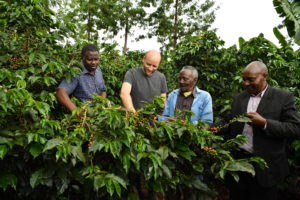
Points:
(274, 119)
(89, 81)
(190, 97)
(141, 85)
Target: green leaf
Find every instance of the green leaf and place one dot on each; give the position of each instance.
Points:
(96, 146)
(99, 182)
(166, 171)
(235, 176)
(243, 119)
(8, 180)
(63, 186)
(115, 147)
(49, 81)
(169, 132)
(240, 165)
(36, 149)
(53, 143)
(5, 140)
(125, 159)
(197, 183)
(31, 57)
(188, 155)
(21, 84)
(117, 179)
(260, 161)
(156, 160)
(33, 79)
(290, 11)
(185, 152)
(77, 152)
(110, 187)
(36, 178)
(117, 188)
(3, 151)
(163, 151)
(241, 42)
(180, 131)
(280, 37)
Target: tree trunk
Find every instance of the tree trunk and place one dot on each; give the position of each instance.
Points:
(125, 38)
(126, 34)
(175, 34)
(89, 28)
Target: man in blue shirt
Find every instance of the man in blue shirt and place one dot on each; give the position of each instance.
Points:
(190, 97)
(89, 81)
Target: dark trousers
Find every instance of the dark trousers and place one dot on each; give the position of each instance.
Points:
(248, 187)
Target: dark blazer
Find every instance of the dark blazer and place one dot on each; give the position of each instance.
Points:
(278, 107)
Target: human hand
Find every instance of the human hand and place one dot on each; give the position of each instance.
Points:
(257, 119)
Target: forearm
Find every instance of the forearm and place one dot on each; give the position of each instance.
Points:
(64, 99)
(127, 102)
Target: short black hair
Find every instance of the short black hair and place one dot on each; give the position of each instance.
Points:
(88, 47)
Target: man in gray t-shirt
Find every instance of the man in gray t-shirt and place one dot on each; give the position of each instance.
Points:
(143, 84)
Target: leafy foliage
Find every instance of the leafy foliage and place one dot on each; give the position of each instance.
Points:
(290, 11)
(49, 154)
(172, 20)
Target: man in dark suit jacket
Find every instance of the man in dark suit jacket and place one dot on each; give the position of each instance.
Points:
(274, 120)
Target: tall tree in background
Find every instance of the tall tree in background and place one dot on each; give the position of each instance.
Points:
(90, 18)
(130, 15)
(290, 11)
(173, 19)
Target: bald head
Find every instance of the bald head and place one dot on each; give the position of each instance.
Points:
(151, 62)
(254, 76)
(257, 67)
(153, 54)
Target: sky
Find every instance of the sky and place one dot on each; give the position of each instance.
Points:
(247, 19)
(234, 19)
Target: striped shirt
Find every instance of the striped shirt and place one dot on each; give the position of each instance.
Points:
(248, 129)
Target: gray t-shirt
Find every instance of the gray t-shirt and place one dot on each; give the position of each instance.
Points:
(145, 88)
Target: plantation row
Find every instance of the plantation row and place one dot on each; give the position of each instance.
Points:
(47, 153)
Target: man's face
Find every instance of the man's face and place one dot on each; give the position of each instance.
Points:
(186, 80)
(254, 81)
(150, 65)
(91, 60)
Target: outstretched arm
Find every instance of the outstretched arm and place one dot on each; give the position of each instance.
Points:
(126, 97)
(64, 99)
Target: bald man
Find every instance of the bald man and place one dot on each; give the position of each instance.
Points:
(141, 85)
(274, 120)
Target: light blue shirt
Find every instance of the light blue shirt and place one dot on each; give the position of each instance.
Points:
(201, 107)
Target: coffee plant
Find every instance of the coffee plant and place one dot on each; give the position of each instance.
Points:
(101, 151)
